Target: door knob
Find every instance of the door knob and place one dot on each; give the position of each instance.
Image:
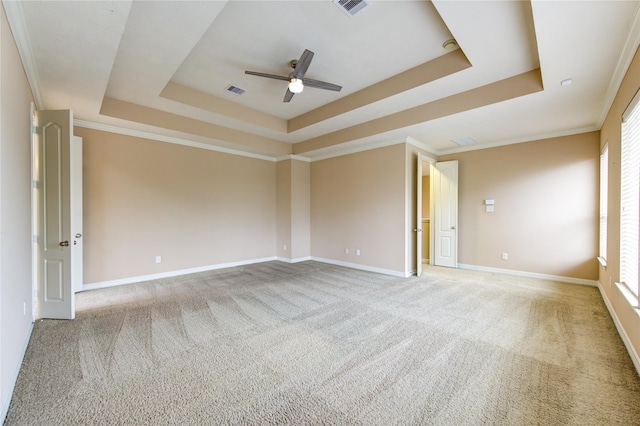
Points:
(64, 244)
(78, 235)
(453, 227)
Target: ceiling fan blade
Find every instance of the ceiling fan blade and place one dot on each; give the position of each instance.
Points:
(261, 74)
(303, 64)
(288, 95)
(317, 84)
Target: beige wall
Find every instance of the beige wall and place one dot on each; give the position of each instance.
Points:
(426, 193)
(358, 202)
(15, 212)
(193, 207)
(300, 209)
(546, 206)
(293, 209)
(611, 133)
(283, 209)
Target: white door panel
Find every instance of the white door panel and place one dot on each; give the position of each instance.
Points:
(446, 213)
(418, 229)
(55, 296)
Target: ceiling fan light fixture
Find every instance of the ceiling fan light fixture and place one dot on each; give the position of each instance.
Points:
(295, 85)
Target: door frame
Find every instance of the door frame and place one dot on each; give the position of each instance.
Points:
(35, 253)
(418, 230)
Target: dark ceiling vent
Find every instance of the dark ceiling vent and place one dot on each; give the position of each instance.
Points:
(235, 89)
(351, 7)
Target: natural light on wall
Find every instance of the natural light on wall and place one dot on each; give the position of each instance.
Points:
(604, 195)
(629, 198)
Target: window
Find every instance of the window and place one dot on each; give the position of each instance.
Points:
(604, 194)
(630, 189)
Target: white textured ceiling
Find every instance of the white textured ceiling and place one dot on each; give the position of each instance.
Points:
(76, 54)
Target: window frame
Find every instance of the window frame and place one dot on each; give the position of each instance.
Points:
(630, 199)
(604, 205)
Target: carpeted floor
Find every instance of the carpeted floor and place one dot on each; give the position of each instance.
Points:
(310, 343)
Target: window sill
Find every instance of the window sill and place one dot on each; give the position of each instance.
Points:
(629, 295)
(603, 262)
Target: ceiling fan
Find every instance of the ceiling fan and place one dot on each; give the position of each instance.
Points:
(296, 79)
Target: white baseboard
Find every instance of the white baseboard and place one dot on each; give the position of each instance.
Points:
(6, 400)
(141, 278)
(296, 260)
(363, 267)
(569, 280)
(621, 331)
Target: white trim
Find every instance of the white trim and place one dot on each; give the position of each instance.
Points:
(628, 52)
(14, 376)
(141, 278)
(621, 331)
(537, 137)
(602, 261)
(13, 10)
(569, 280)
(360, 147)
(634, 102)
(35, 259)
(425, 147)
(294, 157)
(629, 295)
(296, 260)
(363, 267)
(168, 139)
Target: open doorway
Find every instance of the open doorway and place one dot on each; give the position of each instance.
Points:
(426, 211)
(436, 219)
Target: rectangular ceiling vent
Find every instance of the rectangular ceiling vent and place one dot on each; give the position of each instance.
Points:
(351, 7)
(464, 141)
(235, 89)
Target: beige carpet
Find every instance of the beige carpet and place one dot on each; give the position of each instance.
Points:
(310, 343)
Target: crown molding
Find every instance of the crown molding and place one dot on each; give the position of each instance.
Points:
(294, 157)
(168, 139)
(421, 145)
(540, 137)
(13, 10)
(628, 52)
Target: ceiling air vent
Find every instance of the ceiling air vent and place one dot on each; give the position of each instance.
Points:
(351, 7)
(235, 89)
(463, 141)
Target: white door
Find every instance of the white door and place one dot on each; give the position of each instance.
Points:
(76, 213)
(445, 179)
(55, 295)
(418, 229)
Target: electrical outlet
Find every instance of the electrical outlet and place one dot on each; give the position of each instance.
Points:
(24, 307)
(285, 247)
(346, 251)
(505, 256)
(158, 259)
(358, 252)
